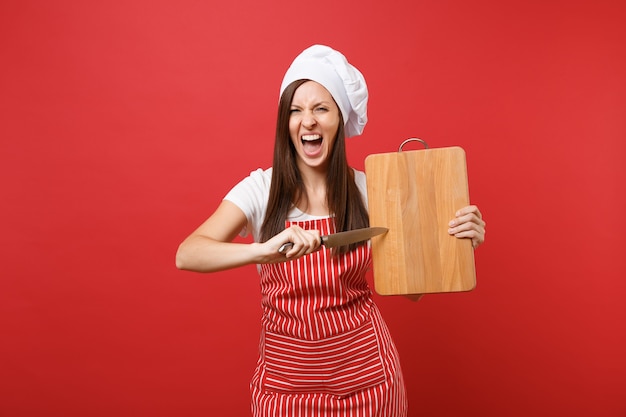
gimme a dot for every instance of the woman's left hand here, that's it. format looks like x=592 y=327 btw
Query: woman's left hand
x=469 y=224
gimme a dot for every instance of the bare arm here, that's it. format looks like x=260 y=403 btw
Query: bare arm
x=209 y=248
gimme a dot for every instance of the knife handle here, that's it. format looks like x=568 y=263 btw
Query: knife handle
x=285 y=247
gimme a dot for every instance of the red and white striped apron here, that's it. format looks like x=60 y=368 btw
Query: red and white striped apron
x=324 y=350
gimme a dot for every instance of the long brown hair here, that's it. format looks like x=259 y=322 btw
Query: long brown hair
x=342 y=194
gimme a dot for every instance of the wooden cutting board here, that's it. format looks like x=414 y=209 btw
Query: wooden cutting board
x=415 y=194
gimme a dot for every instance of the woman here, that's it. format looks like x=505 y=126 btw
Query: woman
x=324 y=349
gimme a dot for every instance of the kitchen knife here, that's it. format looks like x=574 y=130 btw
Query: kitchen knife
x=343 y=238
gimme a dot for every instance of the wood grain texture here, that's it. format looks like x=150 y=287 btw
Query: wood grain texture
x=415 y=194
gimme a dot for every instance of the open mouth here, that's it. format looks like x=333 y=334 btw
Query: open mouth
x=315 y=139
x=311 y=143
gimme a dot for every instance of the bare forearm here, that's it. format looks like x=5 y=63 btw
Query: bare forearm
x=201 y=254
x=210 y=249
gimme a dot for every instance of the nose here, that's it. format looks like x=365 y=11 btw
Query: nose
x=308 y=120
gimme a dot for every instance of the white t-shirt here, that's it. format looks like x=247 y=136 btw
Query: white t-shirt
x=252 y=193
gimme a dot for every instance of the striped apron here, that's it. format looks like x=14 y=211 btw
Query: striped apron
x=324 y=349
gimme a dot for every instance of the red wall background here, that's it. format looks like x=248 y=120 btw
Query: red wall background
x=123 y=123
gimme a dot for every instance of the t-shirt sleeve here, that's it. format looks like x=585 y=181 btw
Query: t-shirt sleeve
x=361 y=183
x=251 y=195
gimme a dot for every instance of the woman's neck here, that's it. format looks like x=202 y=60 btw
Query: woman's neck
x=313 y=201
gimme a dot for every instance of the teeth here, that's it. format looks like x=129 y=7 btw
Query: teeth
x=311 y=137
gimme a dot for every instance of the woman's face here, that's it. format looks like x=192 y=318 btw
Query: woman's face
x=313 y=124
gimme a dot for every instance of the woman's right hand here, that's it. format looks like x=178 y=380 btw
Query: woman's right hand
x=304 y=242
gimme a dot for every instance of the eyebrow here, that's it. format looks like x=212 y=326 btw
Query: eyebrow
x=319 y=103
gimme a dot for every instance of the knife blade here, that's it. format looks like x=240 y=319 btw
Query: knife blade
x=343 y=238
